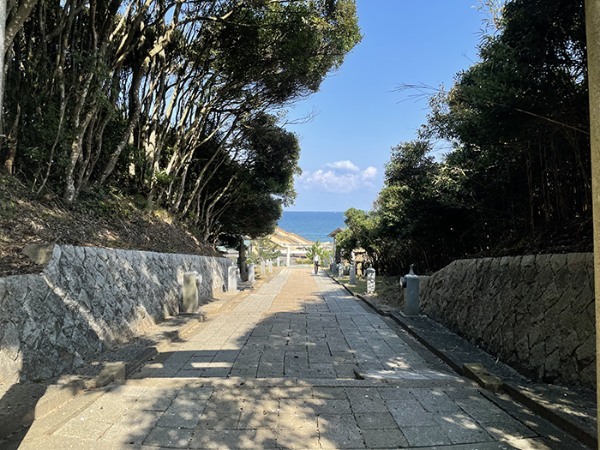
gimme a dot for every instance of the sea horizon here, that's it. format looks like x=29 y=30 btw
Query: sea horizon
x=312 y=225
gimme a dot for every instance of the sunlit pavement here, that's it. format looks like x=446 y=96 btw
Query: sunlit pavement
x=278 y=370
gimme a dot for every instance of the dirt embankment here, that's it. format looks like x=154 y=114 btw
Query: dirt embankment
x=99 y=219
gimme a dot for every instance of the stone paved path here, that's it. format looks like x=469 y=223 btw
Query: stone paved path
x=277 y=370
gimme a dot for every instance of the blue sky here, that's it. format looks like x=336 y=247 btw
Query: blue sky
x=360 y=115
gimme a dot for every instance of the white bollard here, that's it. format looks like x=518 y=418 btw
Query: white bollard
x=352 y=274
x=232 y=278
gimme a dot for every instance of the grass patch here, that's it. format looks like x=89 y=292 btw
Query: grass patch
x=388 y=293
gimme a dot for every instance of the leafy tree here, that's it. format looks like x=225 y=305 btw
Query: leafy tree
x=362 y=232
x=519 y=118
x=519 y=168
x=317 y=249
x=168 y=99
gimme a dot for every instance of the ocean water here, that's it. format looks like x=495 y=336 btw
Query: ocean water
x=312 y=225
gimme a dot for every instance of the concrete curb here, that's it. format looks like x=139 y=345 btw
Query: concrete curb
x=511 y=384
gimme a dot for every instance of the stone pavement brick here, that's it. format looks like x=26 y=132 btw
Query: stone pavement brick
x=379 y=421
x=226 y=439
x=366 y=400
x=461 y=429
x=169 y=437
x=339 y=431
x=410 y=414
x=421 y=436
x=388 y=438
x=434 y=400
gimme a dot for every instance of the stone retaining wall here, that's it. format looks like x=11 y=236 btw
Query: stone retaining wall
x=87 y=299
x=534 y=312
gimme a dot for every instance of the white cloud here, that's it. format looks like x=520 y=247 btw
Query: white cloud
x=340 y=177
x=369 y=173
x=343 y=165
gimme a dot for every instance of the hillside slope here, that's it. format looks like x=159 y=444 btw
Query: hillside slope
x=101 y=219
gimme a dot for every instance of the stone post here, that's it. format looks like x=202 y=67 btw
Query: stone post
x=411 y=296
x=190 y=291
x=232 y=278
x=278 y=261
x=251 y=273
x=370 y=280
x=287 y=262
x=352 y=274
x=262 y=268
x=592 y=26
x=270 y=266
x=340 y=269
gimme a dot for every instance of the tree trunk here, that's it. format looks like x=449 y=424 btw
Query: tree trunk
x=17 y=19
x=242 y=260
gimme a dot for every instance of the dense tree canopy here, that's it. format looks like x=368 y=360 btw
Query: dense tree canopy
x=518 y=176
x=172 y=99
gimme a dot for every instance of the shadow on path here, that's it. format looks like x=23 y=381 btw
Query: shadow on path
x=283 y=377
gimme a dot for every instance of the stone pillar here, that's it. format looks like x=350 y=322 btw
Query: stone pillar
x=191 y=280
x=370 y=280
x=287 y=262
x=592 y=26
x=232 y=278
x=352 y=274
x=278 y=261
x=262 y=268
x=340 y=270
x=270 y=266
x=411 y=296
x=251 y=273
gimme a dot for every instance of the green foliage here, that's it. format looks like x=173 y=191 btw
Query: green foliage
x=263 y=250
x=168 y=99
x=519 y=168
x=317 y=249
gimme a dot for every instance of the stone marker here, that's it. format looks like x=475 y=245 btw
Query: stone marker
x=251 y=273
x=340 y=270
x=232 y=278
x=278 y=261
x=190 y=291
x=287 y=262
x=370 y=280
x=262 y=267
x=270 y=266
x=411 y=296
x=352 y=274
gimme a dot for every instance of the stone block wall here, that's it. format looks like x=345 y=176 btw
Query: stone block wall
x=87 y=299
x=534 y=312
